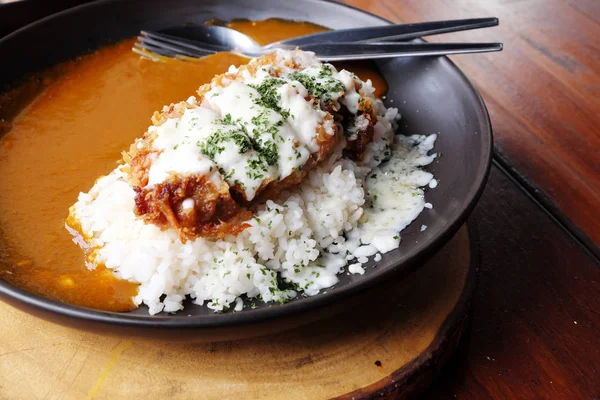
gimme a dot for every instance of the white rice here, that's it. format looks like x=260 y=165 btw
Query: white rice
x=296 y=244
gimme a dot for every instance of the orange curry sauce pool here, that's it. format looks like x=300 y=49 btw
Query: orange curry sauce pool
x=72 y=132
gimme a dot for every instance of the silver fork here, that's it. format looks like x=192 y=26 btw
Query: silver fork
x=347 y=44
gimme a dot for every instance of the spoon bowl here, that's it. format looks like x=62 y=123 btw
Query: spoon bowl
x=221 y=38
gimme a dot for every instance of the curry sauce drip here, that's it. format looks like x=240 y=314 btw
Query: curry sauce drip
x=87 y=111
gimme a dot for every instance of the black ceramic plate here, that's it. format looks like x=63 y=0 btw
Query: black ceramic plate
x=433 y=97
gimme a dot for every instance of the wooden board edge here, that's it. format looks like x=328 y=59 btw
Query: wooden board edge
x=413 y=378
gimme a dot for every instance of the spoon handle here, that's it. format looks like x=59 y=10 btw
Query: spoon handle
x=368 y=51
x=393 y=32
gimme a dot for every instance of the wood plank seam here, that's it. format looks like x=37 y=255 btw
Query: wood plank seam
x=547 y=206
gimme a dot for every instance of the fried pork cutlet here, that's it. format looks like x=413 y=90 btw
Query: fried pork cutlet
x=251 y=133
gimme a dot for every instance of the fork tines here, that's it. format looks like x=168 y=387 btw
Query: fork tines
x=150 y=44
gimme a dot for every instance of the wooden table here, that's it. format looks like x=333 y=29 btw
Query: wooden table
x=536 y=321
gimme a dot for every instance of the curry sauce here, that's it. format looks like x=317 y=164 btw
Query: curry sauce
x=74 y=131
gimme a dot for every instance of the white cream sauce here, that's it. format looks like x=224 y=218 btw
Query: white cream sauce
x=238 y=100
x=393 y=199
x=177 y=139
x=281 y=130
x=394 y=194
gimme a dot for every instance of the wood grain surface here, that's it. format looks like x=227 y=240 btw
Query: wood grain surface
x=536 y=318
x=542 y=91
x=393 y=345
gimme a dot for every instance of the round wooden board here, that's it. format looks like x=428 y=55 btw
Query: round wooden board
x=392 y=346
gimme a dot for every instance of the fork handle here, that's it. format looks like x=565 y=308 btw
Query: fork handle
x=368 y=51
